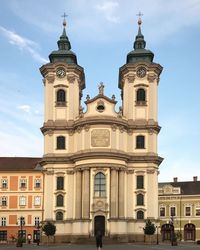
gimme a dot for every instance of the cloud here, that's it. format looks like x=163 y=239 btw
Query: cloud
x=108 y=8
x=25 y=108
x=23 y=44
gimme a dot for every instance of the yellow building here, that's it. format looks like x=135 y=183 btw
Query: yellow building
x=179 y=208
x=100 y=165
x=21 y=197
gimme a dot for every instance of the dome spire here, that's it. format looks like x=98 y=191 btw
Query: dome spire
x=139 y=53
x=64 y=52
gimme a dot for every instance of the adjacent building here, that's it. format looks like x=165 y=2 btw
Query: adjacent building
x=21 y=197
x=179 y=208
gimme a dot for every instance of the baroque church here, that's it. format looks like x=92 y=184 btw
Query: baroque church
x=100 y=166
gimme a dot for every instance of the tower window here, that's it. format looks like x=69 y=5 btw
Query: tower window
x=59 y=216
x=61 y=95
x=60 y=142
x=140 y=96
x=61 y=98
x=140 y=215
x=140 y=141
x=100 y=185
x=60 y=183
x=140 y=199
x=140 y=182
x=59 y=200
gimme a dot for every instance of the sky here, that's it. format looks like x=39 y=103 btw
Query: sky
x=101 y=33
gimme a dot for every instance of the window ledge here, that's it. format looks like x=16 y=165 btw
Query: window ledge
x=140 y=103
x=61 y=104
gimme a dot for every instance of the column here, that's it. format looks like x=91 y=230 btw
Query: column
x=114 y=193
x=86 y=193
x=78 y=205
x=121 y=193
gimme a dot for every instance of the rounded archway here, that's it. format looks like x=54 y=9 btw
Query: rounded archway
x=99 y=224
x=167 y=231
x=189 y=232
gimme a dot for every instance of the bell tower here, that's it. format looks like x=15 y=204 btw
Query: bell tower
x=64 y=81
x=138 y=81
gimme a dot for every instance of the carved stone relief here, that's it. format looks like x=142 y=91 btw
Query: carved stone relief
x=100 y=138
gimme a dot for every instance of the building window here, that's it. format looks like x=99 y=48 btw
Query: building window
x=37 y=222
x=22 y=201
x=59 y=200
x=140 y=182
x=197 y=210
x=61 y=98
x=141 y=96
x=4 y=183
x=187 y=211
x=162 y=211
x=4 y=201
x=23 y=183
x=140 y=141
x=172 y=211
x=140 y=215
x=37 y=200
x=140 y=199
x=60 y=183
x=3 y=221
x=3 y=235
x=60 y=142
x=99 y=185
x=37 y=183
x=59 y=216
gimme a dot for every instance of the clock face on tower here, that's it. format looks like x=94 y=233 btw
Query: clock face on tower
x=141 y=72
x=60 y=72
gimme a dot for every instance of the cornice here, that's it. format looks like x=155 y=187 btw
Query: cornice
x=73 y=71
x=131 y=68
x=102 y=154
x=115 y=122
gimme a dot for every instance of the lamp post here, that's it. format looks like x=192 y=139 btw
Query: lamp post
x=171 y=222
x=157 y=240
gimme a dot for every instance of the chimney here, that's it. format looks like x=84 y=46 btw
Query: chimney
x=194 y=178
x=175 y=179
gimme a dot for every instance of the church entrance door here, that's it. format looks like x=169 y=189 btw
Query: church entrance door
x=99 y=224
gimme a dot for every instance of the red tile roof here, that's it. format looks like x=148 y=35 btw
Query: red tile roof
x=18 y=163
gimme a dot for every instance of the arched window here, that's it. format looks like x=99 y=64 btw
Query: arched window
x=140 y=199
x=140 y=215
x=100 y=185
x=140 y=141
x=59 y=216
x=59 y=200
x=141 y=95
x=60 y=142
x=60 y=96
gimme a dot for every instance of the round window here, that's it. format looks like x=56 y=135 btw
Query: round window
x=100 y=107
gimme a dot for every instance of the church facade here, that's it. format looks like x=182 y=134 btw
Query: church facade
x=100 y=166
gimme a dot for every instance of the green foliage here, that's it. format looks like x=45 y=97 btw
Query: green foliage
x=149 y=228
x=49 y=229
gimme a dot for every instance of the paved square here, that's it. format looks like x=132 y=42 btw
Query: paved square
x=127 y=246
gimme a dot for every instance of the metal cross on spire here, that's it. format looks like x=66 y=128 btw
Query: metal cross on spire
x=64 y=20
x=139 y=19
